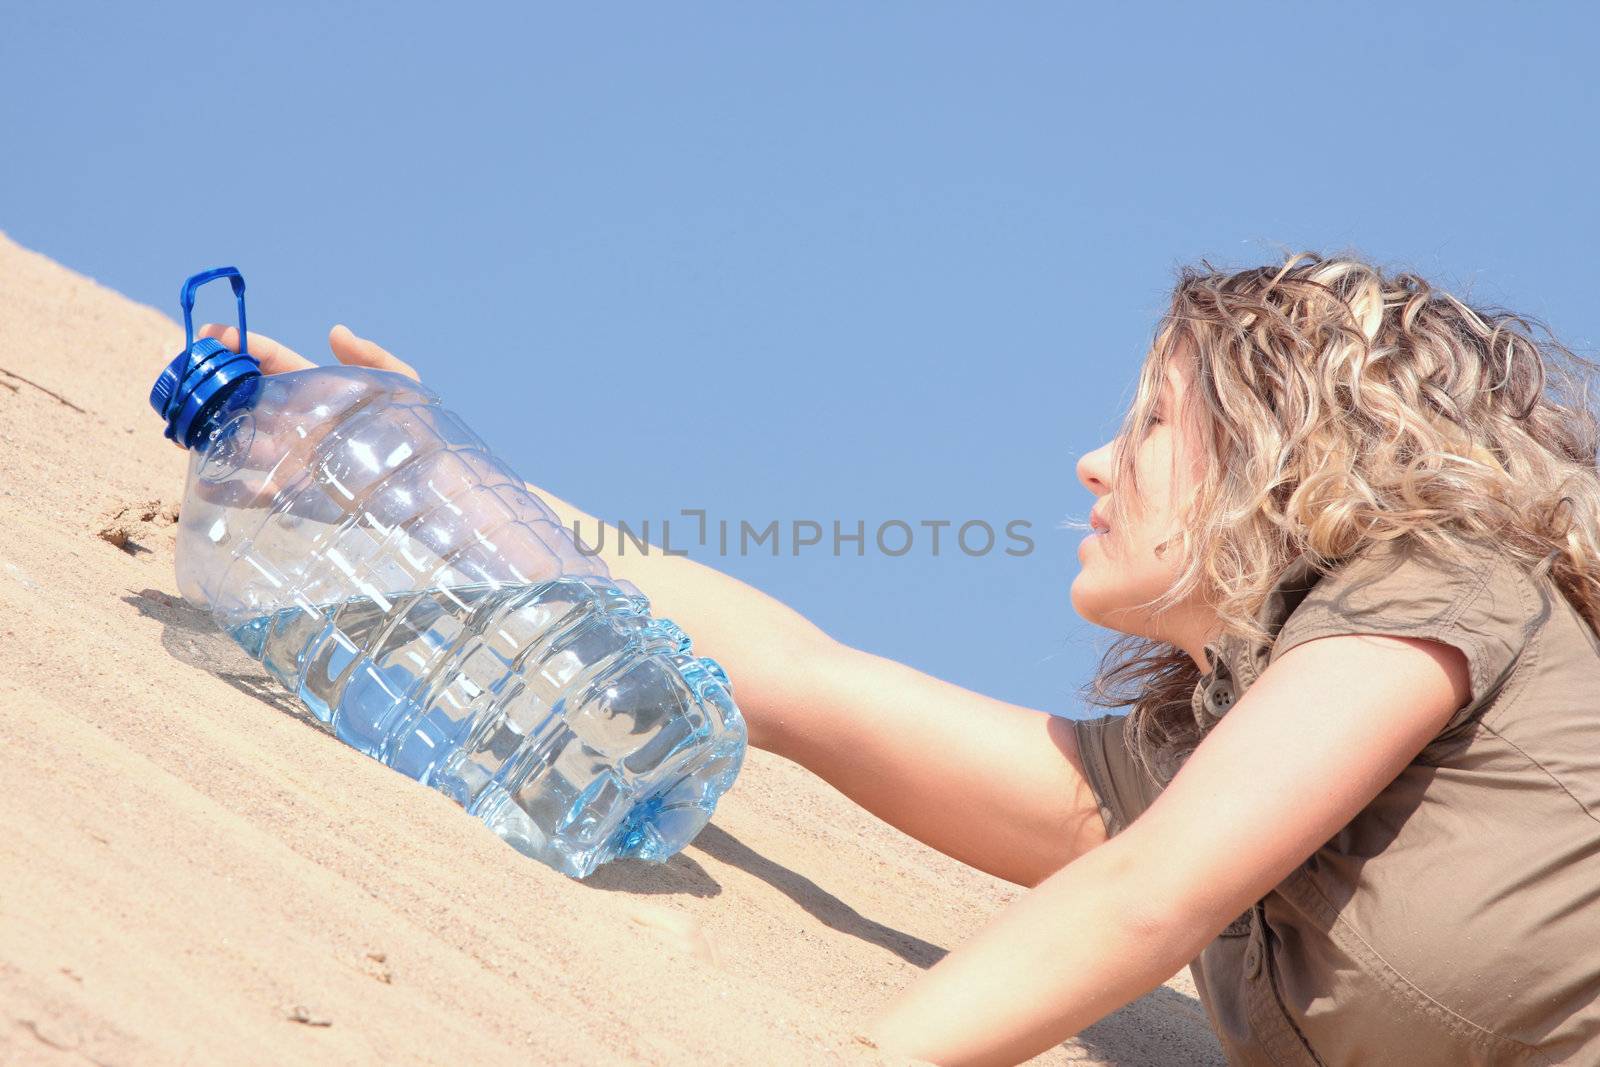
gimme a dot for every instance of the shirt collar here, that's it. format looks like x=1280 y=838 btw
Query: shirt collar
x=1231 y=666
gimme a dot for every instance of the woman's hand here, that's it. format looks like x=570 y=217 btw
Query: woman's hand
x=277 y=358
x=347 y=347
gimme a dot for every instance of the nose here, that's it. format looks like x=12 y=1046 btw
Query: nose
x=1094 y=470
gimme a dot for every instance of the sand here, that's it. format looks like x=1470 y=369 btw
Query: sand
x=193 y=871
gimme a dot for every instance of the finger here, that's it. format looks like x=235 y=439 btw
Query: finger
x=351 y=348
x=274 y=357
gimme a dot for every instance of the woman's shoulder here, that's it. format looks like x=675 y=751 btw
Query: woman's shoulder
x=1457 y=850
x=1471 y=595
x=1410 y=582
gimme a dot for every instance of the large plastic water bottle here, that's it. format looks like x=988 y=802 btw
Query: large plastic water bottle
x=365 y=545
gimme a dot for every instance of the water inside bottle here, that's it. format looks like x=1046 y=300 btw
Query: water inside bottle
x=573 y=724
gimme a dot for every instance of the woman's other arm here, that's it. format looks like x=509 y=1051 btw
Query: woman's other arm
x=1323 y=730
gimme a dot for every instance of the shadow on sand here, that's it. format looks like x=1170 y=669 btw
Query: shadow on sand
x=189 y=636
x=634 y=876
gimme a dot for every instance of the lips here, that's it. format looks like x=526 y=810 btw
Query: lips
x=1098 y=523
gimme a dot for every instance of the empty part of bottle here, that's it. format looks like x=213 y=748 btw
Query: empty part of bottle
x=361 y=542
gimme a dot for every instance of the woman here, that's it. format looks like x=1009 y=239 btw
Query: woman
x=1349 y=532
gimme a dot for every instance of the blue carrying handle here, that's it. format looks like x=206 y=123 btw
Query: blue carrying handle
x=187 y=299
x=206 y=379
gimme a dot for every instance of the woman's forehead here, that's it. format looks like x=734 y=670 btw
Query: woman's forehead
x=1178 y=366
x=1175 y=379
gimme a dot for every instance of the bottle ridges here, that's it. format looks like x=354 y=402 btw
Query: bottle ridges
x=510 y=673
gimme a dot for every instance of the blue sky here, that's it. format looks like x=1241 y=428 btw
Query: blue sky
x=789 y=262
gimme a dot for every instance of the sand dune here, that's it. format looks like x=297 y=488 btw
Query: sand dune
x=192 y=871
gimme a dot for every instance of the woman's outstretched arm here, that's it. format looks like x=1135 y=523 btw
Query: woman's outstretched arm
x=995 y=785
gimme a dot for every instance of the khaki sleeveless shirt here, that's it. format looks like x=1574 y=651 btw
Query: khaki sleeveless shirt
x=1456 y=919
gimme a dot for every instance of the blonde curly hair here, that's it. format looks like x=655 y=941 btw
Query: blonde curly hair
x=1338 y=406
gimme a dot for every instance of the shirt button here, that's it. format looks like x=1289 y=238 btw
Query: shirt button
x=1252 y=960
x=1221 y=695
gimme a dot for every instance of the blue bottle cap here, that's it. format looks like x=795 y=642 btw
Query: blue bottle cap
x=207 y=377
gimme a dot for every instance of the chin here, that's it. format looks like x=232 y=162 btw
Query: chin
x=1088 y=602
x=1107 y=608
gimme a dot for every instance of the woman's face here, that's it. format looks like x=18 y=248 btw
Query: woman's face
x=1122 y=566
